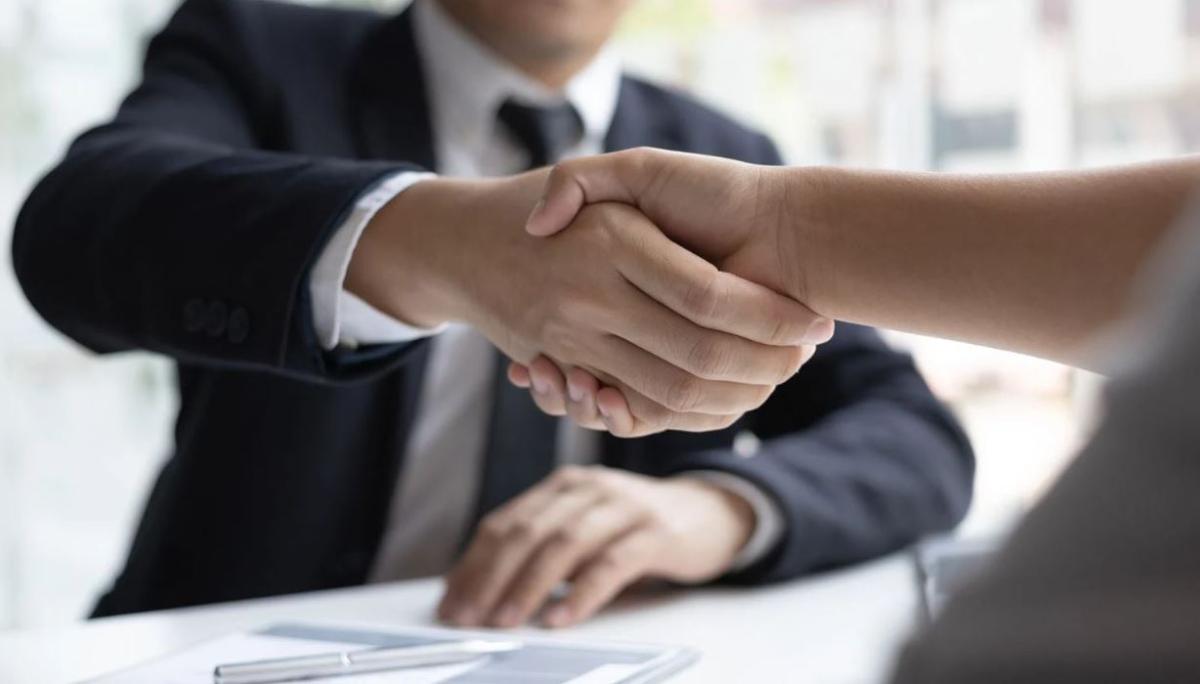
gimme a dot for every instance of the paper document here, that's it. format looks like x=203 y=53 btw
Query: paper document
x=542 y=660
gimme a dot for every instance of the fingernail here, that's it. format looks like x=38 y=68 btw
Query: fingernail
x=540 y=386
x=575 y=391
x=557 y=616
x=530 y=223
x=818 y=331
x=606 y=418
x=508 y=616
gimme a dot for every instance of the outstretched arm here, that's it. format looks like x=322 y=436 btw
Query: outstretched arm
x=180 y=228
x=1034 y=263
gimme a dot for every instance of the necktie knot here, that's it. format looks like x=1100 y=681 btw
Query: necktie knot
x=546 y=133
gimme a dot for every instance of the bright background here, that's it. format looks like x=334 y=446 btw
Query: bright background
x=961 y=85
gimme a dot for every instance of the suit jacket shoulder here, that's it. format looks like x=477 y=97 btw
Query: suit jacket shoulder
x=274 y=38
x=683 y=123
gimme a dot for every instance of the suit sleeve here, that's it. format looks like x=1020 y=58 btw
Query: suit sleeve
x=858 y=454
x=174 y=228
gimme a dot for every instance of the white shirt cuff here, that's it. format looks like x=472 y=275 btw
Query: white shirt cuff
x=769 y=524
x=339 y=317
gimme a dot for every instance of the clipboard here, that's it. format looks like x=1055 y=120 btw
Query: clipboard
x=546 y=660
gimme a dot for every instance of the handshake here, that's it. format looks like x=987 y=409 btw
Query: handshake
x=636 y=292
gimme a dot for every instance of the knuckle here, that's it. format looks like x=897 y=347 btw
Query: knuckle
x=710 y=357
x=636 y=159
x=702 y=299
x=521 y=531
x=548 y=405
x=564 y=540
x=558 y=308
x=759 y=396
x=794 y=360
x=492 y=528
x=607 y=487
x=643 y=162
x=726 y=422
x=609 y=563
x=570 y=475
x=787 y=331
x=651 y=412
x=581 y=416
x=684 y=394
x=615 y=563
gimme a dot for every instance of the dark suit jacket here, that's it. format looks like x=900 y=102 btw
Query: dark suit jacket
x=188 y=224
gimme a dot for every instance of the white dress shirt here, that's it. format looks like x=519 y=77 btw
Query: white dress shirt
x=438 y=489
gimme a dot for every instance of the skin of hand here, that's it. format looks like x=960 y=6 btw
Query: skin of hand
x=612 y=295
x=735 y=214
x=1037 y=263
x=600 y=530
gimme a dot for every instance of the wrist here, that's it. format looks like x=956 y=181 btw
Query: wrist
x=734 y=511
x=405 y=263
x=811 y=210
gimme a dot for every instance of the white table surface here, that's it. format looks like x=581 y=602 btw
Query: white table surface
x=832 y=628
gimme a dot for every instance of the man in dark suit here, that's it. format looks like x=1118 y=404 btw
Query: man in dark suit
x=258 y=210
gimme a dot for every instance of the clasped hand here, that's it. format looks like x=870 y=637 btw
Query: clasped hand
x=685 y=343
x=737 y=216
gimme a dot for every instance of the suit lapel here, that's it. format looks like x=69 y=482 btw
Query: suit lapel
x=638 y=122
x=388 y=98
x=389 y=111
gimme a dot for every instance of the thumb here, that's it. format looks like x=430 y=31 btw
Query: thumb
x=614 y=177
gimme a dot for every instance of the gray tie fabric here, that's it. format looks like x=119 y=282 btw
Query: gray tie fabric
x=522 y=439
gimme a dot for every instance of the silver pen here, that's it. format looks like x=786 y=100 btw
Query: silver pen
x=358 y=662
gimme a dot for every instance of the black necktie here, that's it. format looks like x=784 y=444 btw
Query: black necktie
x=522 y=439
x=545 y=132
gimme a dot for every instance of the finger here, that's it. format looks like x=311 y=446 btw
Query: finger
x=580 y=398
x=606 y=408
x=603 y=577
x=703 y=352
x=710 y=298
x=614 y=408
x=518 y=375
x=617 y=416
x=807 y=353
x=672 y=387
x=615 y=177
x=582 y=387
x=481 y=583
x=643 y=417
x=549 y=386
x=512 y=524
x=560 y=556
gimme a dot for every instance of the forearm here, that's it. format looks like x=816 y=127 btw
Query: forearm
x=432 y=254
x=400 y=263
x=152 y=240
x=1035 y=263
